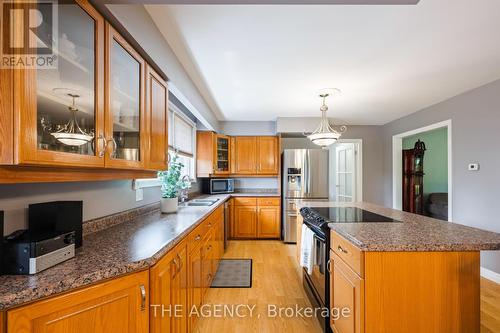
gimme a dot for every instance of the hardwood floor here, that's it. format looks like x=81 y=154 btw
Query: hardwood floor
x=277 y=280
x=490 y=307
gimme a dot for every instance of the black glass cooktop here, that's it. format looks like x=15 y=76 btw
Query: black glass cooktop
x=350 y=215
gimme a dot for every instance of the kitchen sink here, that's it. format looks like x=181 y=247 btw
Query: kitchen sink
x=201 y=202
x=191 y=203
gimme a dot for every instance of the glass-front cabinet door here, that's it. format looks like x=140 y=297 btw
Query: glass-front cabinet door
x=61 y=109
x=125 y=112
x=221 y=154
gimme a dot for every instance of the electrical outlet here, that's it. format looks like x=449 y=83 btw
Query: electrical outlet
x=139 y=194
x=474 y=167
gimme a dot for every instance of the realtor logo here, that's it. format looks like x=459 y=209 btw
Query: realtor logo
x=29 y=34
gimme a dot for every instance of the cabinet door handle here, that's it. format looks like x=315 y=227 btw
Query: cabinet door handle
x=143 y=297
x=197 y=238
x=179 y=262
x=176 y=267
x=210 y=225
x=115 y=146
x=341 y=249
x=329 y=266
x=102 y=151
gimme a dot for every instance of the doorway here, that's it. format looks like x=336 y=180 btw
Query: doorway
x=346 y=176
x=400 y=142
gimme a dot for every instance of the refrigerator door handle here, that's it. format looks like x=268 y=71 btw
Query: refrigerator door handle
x=307 y=172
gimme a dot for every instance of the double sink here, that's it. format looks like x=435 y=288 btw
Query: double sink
x=201 y=202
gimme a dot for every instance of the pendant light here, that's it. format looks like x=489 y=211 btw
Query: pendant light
x=70 y=134
x=325 y=134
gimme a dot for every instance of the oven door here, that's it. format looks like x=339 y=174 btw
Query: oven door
x=317 y=277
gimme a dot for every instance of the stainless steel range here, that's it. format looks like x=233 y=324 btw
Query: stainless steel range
x=305 y=176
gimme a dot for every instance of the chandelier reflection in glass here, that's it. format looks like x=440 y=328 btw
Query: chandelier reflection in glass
x=69 y=134
x=325 y=134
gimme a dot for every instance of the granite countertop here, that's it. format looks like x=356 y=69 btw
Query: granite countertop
x=130 y=246
x=415 y=233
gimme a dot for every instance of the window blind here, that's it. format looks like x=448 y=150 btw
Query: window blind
x=182 y=136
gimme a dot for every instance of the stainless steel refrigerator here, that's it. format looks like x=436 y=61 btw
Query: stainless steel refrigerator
x=305 y=176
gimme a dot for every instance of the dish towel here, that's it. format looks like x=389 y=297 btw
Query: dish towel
x=307 y=249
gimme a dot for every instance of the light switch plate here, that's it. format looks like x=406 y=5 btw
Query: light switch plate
x=139 y=194
x=474 y=167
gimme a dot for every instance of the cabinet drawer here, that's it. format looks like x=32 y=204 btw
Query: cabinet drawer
x=196 y=236
x=209 y=223
x=350 y=254
x=245 y=201
x=268 y=201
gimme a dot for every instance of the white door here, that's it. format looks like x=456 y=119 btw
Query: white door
x=345 y=172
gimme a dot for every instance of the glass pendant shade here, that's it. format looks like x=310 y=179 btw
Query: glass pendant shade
x=72 y=139
x=325 y=135
x=70 y=134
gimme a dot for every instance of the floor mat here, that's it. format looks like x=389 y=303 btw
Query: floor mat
x=233 y=273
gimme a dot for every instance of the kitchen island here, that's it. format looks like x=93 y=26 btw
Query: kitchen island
x=414 y=275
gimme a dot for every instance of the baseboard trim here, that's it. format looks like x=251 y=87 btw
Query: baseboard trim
x=490 y=275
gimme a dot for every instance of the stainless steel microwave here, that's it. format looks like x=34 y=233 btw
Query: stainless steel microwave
x=217 y=186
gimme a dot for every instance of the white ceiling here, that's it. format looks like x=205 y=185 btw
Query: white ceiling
x=256 y=62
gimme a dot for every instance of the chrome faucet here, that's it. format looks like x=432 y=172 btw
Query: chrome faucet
x=184 y=192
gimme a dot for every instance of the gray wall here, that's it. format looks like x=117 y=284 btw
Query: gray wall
x=475 y=119
x=99 y=198
x=248 y=127
x=372 y=152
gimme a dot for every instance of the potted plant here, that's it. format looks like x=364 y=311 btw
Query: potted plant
x=171 y=184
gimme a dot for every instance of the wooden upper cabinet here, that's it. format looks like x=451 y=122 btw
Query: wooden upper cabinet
x=119 y=305
x=267 y=155
x=126 y=133
x=245 y=155
x=205 y=164
x=157 y=110
x=58 y=114
x=88 y=113
x=213 y=154
x=222 y=156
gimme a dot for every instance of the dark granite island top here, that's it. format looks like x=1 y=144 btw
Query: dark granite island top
x=127 y=246
x=415 y=233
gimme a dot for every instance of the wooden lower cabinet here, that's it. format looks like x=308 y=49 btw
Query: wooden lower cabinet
x=245 y=222
x=195 y=261
x=256 y=218
x=169 y=292
x=209 y=256
x=400 y=292
x=119 y=305
x=346 y=292
x=268 y=222
x=158 y=300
